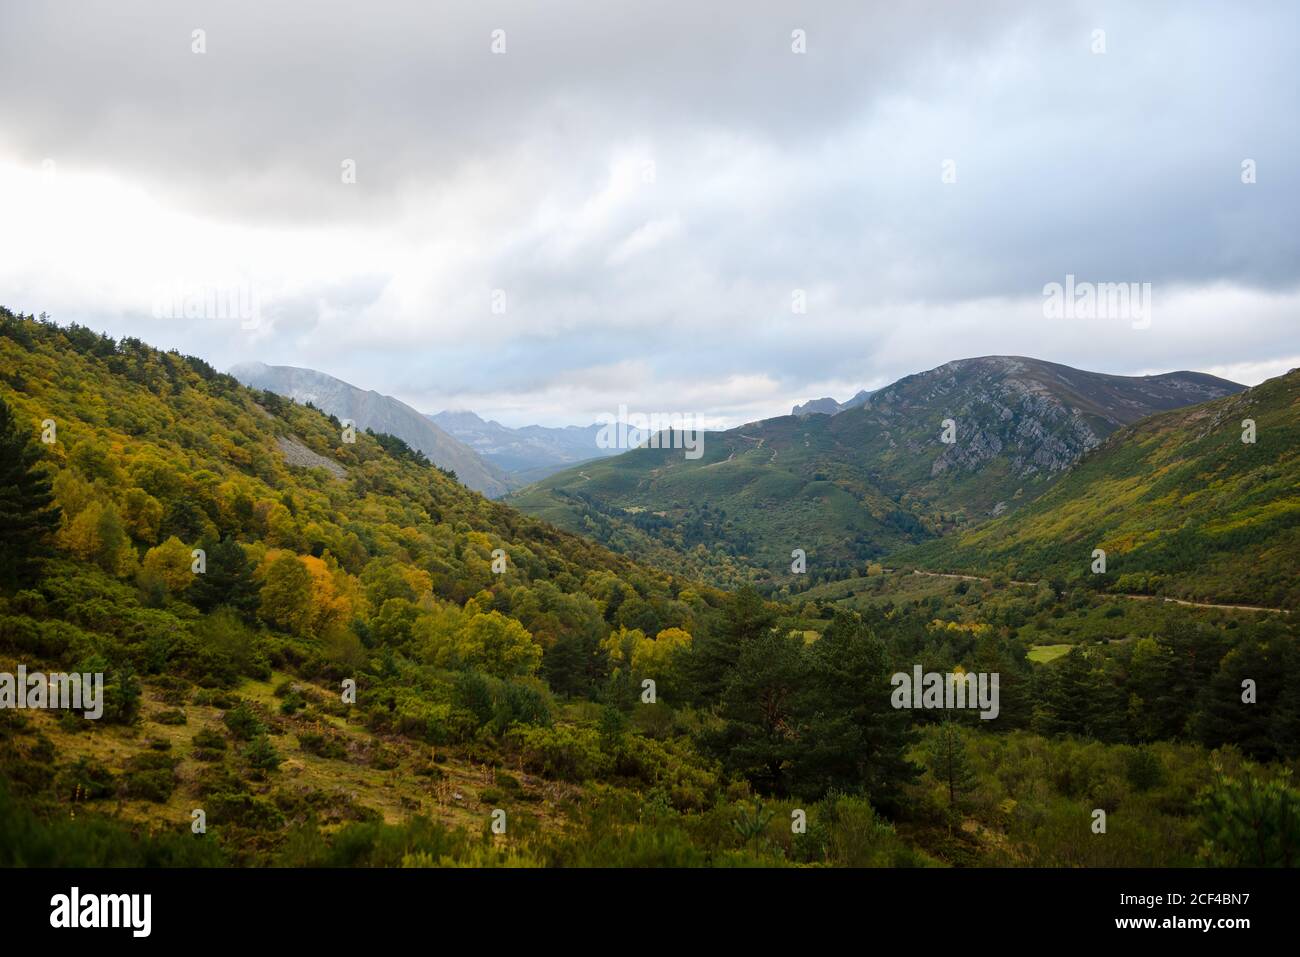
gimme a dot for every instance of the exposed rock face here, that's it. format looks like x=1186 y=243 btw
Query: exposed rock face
x=295 y=453
x=826 y=406
x=1039 y=416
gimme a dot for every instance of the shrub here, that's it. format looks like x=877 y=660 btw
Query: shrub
x=243 y=810
x=209 y=738
x=324 y=746
x=86 y=780
x=566 y=752
x=243 y=723
x=261 y=755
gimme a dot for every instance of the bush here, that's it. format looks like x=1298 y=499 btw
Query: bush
x=324 y=746
x=566 y=752
x=176 y=716
x=86 y=780
x=150 y=776
x=209 y=738
x=243 y=810
x=261 y=755
x=243 y=723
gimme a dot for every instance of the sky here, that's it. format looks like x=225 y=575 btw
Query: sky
x=545 y=211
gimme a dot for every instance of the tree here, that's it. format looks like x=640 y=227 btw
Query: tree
x=287 y=595
x=227 y=579
x=497 y=645
x=28 y=516
x=1250 y=822
x=945 y=755
x=170 y=563
x=856 y=741
x=712 y=656
x=96 y=535
x=262 y=756
x=759 y=737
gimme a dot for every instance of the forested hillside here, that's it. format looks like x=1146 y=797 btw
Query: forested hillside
x=339 y=656
x=1179 y=502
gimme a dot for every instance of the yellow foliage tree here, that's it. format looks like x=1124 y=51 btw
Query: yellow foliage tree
x=171 y=563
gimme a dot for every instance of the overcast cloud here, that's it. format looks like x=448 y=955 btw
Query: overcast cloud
x=648 y=184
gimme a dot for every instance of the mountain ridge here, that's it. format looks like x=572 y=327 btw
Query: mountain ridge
x=370 y=409
x=854 y=486
x=1180 y=504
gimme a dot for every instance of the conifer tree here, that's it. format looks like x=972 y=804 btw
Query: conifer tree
x=28 y=515
x=948 y=762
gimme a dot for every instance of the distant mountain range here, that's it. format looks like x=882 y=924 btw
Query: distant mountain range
x=865 y=481
x=381 y=413
x=528 y=454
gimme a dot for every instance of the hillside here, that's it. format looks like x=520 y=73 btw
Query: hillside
x=381 y=413
x=520 y=690
x=1179 y=503
x=526 y=454
x=857 y=485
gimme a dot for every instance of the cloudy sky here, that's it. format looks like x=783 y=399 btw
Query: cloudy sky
x=659 y=204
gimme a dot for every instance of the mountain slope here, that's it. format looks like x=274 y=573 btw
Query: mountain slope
x=324 y=561
x=527 y=454
x=382 y=413
x=856 y=485
x=1179 y=503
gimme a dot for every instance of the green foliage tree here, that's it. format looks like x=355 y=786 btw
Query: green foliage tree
x=854 y=740
x=946 y=756
x=759 y=737
x=28 y=517
x=746 y=618
x=227 y=580
x=1250 y=821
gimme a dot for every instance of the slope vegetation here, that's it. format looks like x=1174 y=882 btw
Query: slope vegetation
x=1182 y=506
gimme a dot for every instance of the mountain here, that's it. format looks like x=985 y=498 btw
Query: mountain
x=527 y=454
x=858 y=484
x=381 y=413
x=1180 y=504
x=829 y=406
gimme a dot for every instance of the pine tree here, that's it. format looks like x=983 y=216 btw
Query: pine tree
x=759 y=734
x=28 y=515
x=227 y=579
x=854 y=739
x=948 y=762
x=745 y=619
